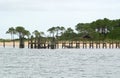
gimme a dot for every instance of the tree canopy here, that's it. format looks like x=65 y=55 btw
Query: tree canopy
x=101 y=29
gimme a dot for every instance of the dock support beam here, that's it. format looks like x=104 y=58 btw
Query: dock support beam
x=21 y=44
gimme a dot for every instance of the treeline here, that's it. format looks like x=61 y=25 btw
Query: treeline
x=101 y=29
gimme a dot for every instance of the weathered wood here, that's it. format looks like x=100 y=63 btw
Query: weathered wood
x=37 y=43
x=111 y=45
x=117 y=45
x=98 y=45
x=70 y=45
x=91 y=44
x=63 y=45
x=84 y=44
x=21 y=44
x=104 y=45
x=31 y=44
x=53 y=43
x=4 y=43
x=13 y=43
x=77 y=45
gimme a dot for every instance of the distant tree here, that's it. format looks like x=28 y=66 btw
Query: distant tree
x=83 y=28
x=57 y=29
x=114 y=34
x=20 y=31
x=52 y=31
x=37 y=33
x=69 y=30
x=62 y=29
x=42 y=33
x=69 y=34
x=27 y=33
x=102 y=26
x=11 y=31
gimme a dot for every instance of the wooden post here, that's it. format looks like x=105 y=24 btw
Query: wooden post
x=63 y=44
x=53 y=43
x=98 y=44
x=39 y=42
x=57 y=45
x=117 y=44
x=31 y=42
x=48 y=45
x=84 y=44
x=77 y=44
x=70 y=45
x=91 y=44
x=104 y=45
x=21 y=44
x=44 y=45
x=35 y=46
x=111 y=45
x=13 y=43
x=4 y=43
x=28 y=42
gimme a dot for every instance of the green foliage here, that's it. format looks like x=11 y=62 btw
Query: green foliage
x=38 y=33
x=27 y=33
x=101 y=29
x=20 y=31
x=69 y=34
x=11 y=31
x=55 y=31
x=114 y=34
x=83 y=28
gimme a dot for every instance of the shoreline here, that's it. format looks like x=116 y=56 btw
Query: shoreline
x=67 y=45
x=11 y=43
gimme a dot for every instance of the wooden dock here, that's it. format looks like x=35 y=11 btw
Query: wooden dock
x=37 y=43
x=76 y=44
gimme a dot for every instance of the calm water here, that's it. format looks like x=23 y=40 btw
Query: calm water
x=59 y=63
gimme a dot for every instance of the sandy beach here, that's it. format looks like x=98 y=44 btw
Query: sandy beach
x=11 y=44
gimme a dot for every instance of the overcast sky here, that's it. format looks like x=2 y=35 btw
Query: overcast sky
x=43 y=14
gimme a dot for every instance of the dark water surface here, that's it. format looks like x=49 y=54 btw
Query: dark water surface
x=59 y=63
